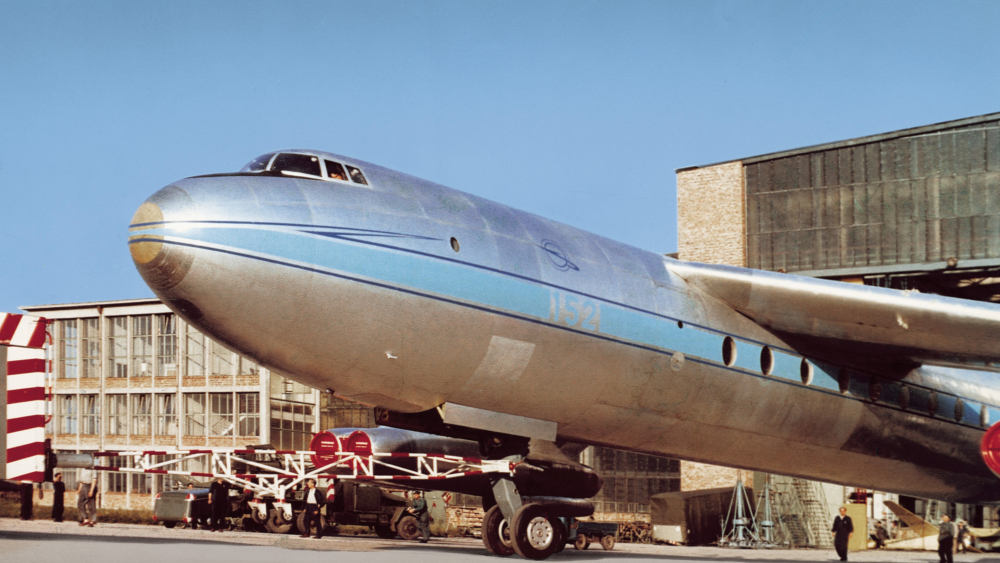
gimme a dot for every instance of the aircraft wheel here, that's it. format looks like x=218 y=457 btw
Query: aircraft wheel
x=276 y=523
x=608 y=542
x=533 y=532
x=385 y=532
x=561 y=535
x=496 y=533
x=169 y=524
x=407 y=528
x=581 y=542
x=300 y=522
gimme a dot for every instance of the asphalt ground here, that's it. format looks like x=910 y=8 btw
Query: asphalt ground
x=39 y=541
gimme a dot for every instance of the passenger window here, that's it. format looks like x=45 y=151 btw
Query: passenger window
x=357 y=176
x=258 y=164
x=335 y=170
x=297 y=164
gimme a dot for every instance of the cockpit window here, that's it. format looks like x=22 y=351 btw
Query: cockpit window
x=357 y=176
x=297 y=164
x=335 y=170
x=258 y=164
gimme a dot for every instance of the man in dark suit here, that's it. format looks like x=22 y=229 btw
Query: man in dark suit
x=843 y=529
x=218 y=501
x=58 y=491
x=314 y=502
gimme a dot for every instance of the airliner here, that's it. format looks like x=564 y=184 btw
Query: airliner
x=461 y=316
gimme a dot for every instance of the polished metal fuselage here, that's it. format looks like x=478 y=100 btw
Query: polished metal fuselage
x=407 y=295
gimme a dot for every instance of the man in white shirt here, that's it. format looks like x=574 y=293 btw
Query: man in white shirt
x=314 y=502
x=86 y=497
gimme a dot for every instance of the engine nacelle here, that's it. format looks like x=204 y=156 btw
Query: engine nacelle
x=990 y=449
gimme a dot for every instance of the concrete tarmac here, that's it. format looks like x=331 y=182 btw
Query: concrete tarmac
x=47 y=542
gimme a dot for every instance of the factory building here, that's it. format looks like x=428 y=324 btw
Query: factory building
x=131 y=375
x=912 y=209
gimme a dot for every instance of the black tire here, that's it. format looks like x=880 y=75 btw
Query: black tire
x=533 y=532
x=276 y=523
x=561 y=535
x=385 y=532
x=496 y=533
x=582 y=542
x=169 y=524
x=407 y=528
x=608 y=542
x=300 y=523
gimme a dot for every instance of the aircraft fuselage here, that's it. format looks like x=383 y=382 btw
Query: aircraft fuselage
x=407 y=294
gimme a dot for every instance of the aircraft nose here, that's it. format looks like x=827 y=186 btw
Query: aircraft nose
x=161 y=264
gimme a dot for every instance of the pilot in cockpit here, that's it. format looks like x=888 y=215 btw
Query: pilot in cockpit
x=335 y=170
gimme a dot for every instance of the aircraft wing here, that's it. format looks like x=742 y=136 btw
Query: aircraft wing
x=843 y=321
x=916 y=524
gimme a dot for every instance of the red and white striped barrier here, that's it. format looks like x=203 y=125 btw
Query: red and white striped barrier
x=22 y=330
x=24 y=338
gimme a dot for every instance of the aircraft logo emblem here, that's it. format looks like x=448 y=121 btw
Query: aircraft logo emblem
x=557 y=256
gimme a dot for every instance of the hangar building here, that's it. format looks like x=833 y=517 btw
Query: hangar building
x=912 y=209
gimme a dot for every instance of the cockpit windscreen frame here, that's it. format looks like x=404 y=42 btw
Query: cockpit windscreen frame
x=329 y=170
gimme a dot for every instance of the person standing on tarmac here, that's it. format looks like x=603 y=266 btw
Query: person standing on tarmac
x=58 y=491
x=314 y=503
x=218 y=501
x=86 y=501
x=843 y=529
x=419 y=510
x=946 y=539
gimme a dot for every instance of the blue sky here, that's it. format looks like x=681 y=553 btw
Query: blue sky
x=578 y=111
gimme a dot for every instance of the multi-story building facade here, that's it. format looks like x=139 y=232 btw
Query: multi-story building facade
x=131 y=375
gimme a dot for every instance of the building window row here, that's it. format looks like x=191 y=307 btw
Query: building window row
x=141 y=346
x=143 y=414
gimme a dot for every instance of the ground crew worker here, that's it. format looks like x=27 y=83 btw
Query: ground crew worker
x=314 y=503
x=843 y=530
x=419 y=510
x=946 y=539
x=218 y=500
x=58 y=491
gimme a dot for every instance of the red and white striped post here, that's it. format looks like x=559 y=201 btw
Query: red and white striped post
x=22 y=397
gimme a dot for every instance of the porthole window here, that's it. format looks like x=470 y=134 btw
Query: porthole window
x=729 y=351
x=874 y=389
x=959 y=410
x=454 y=244
x=932 y=404
x=766 y=360
x=904 y=397
x=680 y=324
x=844 y=380
x=806 y=372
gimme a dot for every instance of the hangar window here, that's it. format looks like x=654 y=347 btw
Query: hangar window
x=357 y=176
x=292 y=164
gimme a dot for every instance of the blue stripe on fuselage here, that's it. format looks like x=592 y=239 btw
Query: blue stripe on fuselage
x=487 y=287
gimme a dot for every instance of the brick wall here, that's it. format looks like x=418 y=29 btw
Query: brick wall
x=711 y=228
x=711 y=215
x=700 y=476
